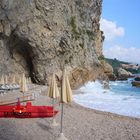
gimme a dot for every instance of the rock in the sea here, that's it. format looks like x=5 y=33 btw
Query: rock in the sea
x=135 y=83
x=137 y=78
x=106 y=85
x=40 y=37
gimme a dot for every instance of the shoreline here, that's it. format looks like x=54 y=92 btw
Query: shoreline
x=107 y=113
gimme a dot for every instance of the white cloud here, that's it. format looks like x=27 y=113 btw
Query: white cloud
x=130 y=54
x=111 y=30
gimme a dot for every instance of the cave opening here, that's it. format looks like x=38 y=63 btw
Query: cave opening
x=25 y=51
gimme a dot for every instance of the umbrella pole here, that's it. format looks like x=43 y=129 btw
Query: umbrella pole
x=23 y=99
x=54 y=122
x=53 y=109
x=62 y=137
x=62 y=110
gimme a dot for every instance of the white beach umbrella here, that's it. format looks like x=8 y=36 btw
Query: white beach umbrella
x=29 y=80
x=66 y=97
x=6 y=79
x=23 y=84
x=53 y=92
x=2 y=80
x=19 y=79
x=13 y=79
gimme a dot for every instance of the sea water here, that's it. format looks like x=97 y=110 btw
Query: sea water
x=122 y=98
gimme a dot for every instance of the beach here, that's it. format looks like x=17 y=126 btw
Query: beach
x=80 y=123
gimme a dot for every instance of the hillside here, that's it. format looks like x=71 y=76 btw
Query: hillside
x=133 y=68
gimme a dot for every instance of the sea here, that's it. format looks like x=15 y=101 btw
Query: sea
x=121 y=98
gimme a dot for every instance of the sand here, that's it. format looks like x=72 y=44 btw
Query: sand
x=80 y=123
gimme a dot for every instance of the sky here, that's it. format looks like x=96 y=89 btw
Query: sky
x=120 y=21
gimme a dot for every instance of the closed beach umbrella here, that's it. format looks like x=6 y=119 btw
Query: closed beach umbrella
x=6 y=79
x=29 y=80
x=23 y=84
x=66 y=97
x=19 y=80
x=53 y=92
x=13 y=79
x=2 y=80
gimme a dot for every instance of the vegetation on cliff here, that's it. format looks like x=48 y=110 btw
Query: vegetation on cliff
x=115 y=63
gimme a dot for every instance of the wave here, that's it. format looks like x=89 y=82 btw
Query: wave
x=96 y=97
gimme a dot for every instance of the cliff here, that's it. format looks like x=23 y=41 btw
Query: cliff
x=40 y=37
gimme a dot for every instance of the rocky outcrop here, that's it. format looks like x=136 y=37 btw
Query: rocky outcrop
x=108 y=70
x=40 y=37
x=122 y=74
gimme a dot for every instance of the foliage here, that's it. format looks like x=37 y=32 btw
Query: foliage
x=90 y=34
x=101 y=57
x=75 y=33
x=134 y=71
x=116 y=63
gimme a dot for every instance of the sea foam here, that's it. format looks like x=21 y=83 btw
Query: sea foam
x=121 y=98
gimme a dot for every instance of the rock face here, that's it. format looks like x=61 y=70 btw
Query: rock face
x=40 y=37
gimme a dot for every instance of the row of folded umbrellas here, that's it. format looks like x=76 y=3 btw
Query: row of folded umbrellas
x=20 y=82
x=66 y=92
x=13 y=82
x=12 y=79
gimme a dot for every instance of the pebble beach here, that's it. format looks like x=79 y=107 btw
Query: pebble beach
x=80 y=123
